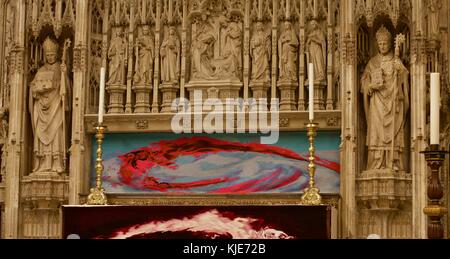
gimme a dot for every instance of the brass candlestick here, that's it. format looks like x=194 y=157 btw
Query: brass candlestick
x=311 y=195
x=434 y=210
x=97 y=194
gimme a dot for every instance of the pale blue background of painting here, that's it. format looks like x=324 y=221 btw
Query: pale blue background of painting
x=327 y=143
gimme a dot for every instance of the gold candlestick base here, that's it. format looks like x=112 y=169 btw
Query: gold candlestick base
x=97 y=197
x=311 y=195
x=97 y=194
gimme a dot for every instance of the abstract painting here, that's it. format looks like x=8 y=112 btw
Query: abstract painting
x=198 y=222
x=216 y=164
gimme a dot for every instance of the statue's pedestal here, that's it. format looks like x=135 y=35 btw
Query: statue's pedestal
x=169 y=94
x=384 y=189
x=116 y=93
x=319 y=95
x=287 y=94
x=383 y=198
x=226 y=89
x=260 y=89
x=42 y=195
x=142 y=98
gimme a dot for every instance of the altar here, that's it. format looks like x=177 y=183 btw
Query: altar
x=197 y=222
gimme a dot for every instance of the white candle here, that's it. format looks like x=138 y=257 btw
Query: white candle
x=311 y=91
x=435 y=101
x=101 y=98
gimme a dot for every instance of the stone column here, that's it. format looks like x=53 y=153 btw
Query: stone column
x=302 y=105
x=419 y=139
x=77 y=149
x=16 y=166
x=246 y=51
x=129 y=73
x=274 y=72
x=4 y=77
x=349 y=94
x=330 y=61
x=155 y=103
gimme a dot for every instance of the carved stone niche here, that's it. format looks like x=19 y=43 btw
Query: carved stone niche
x=216 y=49
x=42 y=196
x=260 y=53
x=143 y=74
x=288 y=66
x=384 y=186
x=116 y=79
x=170 y=53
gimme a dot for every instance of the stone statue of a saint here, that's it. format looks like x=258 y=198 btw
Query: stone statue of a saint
x=144 y=50
x=385 y=88
x=260 y=52
x=232 y=50
x=170 y=57
x=317 y=45
x=48 y=103
x=288 y=53
x=203 y=52
x=434 y=8
x=117 y=57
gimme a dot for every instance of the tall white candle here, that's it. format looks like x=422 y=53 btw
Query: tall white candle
x=101 y=98
x=435 y=101
x=311 y=91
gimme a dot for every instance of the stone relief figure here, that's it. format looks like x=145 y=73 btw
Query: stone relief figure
x=288 y=53
x=232 y=51
x=203 y=52
x=260 y=52
x=47 y=112
x=4 y=112
x=170 y=57
x=434 y=7
x=385 y=89
x=117 y=58
x=317 y=45
x=145 y=50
